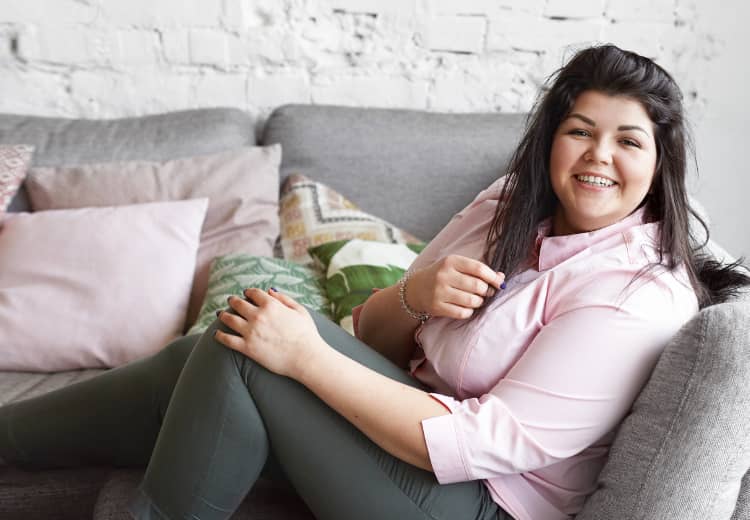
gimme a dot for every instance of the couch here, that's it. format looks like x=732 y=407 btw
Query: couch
x=683 y=451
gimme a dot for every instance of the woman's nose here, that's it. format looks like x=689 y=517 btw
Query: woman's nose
x=599 y=151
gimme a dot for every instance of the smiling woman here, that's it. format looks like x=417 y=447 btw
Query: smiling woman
x=602 y=162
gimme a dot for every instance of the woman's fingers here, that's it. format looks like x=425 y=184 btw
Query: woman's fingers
x=230 y=340
x=258 y=297
x=233 y=321
x=286 y=300
x=471 y=285
x=457 y=312
x=480 y=271
x=462 y=298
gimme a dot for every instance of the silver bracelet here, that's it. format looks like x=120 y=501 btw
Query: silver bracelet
x=421 y=317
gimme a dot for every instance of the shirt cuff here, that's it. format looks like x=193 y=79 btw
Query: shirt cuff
x=443 y=445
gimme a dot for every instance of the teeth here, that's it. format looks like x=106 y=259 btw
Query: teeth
x=596 y=181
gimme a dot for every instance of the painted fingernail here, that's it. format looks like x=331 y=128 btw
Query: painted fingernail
x=274 y=289
x=503 y=286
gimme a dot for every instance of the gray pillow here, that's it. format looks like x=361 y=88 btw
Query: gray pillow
x=742 y=511
x=683 y=450
x=71 y=142
x=415 y=169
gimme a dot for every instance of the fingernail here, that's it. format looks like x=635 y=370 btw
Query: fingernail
x=274 y=289
x=503 y=286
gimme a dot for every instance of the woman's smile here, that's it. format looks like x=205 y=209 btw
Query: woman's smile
x=591 y=180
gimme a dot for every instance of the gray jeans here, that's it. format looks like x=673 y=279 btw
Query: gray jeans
x=206 y=420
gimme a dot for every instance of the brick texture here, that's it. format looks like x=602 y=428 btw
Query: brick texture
x=95 y=58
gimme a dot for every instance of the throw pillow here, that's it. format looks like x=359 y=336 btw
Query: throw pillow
x=14 y=162
x=95 y=287
x=241 y=185
x=355 y=267
x=232 y=274
x=683 y=449
x=312 y=213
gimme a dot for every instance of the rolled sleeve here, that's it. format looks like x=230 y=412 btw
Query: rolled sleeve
x=444 y=449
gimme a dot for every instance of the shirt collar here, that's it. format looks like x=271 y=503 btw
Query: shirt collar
x=553 y=250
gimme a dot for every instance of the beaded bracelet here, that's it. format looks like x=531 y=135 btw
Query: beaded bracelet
x=421 y=317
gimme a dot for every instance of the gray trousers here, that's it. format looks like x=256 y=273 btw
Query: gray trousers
x=206 y=419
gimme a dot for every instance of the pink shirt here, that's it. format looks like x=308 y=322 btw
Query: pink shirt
x=538 y=385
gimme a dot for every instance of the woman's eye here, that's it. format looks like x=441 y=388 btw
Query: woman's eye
x=631 y=142
x=580 y=132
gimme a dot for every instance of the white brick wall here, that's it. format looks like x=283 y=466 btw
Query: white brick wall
x=107 y=58
x=464 y=34
x=114 y=58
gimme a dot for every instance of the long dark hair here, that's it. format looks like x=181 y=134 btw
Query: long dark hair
x=528 y=197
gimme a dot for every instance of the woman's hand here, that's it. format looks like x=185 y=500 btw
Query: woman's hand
x=452 y=287
x=275 y=331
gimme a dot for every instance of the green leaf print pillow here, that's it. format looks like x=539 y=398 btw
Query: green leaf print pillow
x=232 y=274
x=353 y=268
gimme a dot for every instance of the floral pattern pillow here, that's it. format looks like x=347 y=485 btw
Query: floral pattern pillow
x=353 y=268
x=14 y=163
x=232 y=274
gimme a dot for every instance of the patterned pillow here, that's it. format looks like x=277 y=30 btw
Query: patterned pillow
x=231 y=274
x=311 y=214
x=14 y=163
x=355 y=267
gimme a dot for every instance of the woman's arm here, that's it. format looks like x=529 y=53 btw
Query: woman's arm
x=451 y=287
x=386 y=327
x=388 y=412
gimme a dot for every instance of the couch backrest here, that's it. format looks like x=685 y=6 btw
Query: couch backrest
x=68 y=142
x=414 y=168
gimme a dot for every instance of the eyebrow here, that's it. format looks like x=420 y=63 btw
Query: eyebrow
x=620 y=128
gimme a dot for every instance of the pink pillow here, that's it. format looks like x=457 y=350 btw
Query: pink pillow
x=95 y=287
x=14 y=162
x=242 y=186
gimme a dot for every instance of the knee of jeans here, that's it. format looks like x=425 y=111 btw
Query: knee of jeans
x=175 y=353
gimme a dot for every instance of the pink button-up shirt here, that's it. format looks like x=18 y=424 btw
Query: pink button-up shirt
x=539 y=384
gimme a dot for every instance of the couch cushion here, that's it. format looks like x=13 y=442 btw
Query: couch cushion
x=414 y=168
x=742 y=509
x=355 y=268
x=60 y=494
x=683 y=450
x=17 y=386
x=87 y=299
x=268 y=500
x=14 y=164
x=231 y=274
x=242 y=186
x=61 y=141
x=311 y=213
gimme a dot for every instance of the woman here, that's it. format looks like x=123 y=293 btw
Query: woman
x=528 y=328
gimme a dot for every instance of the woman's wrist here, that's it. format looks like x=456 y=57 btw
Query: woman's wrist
x=415 y=314
x=313 y=360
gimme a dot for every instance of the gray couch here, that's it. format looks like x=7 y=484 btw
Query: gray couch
x=681 y=453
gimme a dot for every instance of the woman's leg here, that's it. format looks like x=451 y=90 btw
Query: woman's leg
x=216 y=435
x=112 y=418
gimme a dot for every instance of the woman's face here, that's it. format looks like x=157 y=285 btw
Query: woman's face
x=602 y=162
